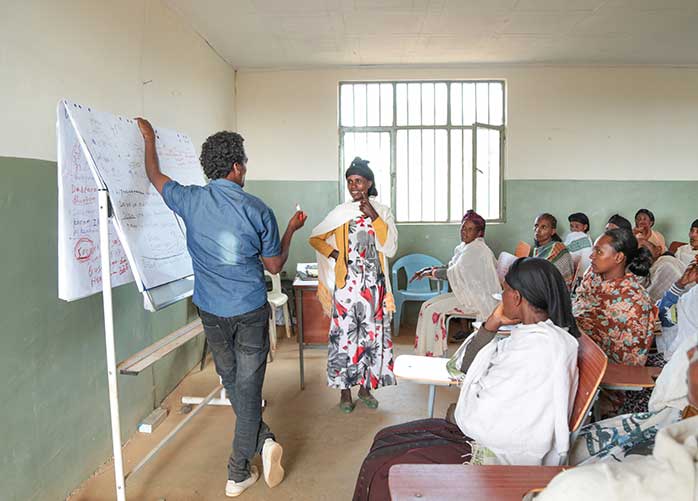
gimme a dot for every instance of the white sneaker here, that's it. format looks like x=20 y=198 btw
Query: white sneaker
x=271 y=462
x=234 y=489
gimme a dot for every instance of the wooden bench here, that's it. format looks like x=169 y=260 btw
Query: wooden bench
x=138 y=362
x=451 y=482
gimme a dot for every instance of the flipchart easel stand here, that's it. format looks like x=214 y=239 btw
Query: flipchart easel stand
x=120 y=477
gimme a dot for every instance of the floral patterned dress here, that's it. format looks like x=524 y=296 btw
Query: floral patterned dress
x=360 y=348
x=618 y=315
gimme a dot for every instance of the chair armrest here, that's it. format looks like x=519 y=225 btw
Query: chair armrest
x=627 y=377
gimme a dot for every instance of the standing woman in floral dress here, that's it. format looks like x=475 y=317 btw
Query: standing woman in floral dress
x=352 y=245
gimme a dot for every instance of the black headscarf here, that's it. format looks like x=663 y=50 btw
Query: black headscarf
x=542 y=285
x=359 y=167
x=579 y=217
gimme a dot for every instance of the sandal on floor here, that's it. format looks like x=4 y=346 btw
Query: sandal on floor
x=346 y=407
x=369 y=400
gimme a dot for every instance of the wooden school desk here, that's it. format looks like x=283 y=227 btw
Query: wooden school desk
x=451 y=482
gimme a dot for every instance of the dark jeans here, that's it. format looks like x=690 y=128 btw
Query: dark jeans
x=240 y=346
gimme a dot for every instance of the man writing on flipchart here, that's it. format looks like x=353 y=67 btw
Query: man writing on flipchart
x=231 y=235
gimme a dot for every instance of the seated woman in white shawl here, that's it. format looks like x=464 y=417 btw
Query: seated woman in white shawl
x=689 y=253
x=352 y=244
x=577 y=240
x=516 y=395
x=473 y=279
x=649 y=456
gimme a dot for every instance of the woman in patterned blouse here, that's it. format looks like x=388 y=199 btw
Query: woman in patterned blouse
x=611 y=306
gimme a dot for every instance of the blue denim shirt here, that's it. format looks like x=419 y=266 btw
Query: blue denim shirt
x=227 y=232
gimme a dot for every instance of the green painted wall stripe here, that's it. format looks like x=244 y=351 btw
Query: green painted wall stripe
x=673 y=203
x=54 y=428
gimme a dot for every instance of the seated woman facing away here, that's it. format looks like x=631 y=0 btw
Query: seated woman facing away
x=473 y=278
x=687 y=253
x=644 y=221
x=549 y=246
x=516 y=393
x=577 y=240
x=611 y=305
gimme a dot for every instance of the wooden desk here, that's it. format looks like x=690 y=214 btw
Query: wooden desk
x=313 y=325
x=447 y=482
x=629 y=378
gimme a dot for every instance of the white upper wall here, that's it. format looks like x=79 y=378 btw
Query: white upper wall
x=563 y=122
x=131 y=57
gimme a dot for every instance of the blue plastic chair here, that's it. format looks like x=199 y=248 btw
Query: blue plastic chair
x=419 y=290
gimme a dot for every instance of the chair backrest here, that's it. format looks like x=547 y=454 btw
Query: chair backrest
x=675 y=245
x=522 y=249
x=578 y=271
x=275 y=281
x=413 y=263
x=591 y=363
x=503 y=264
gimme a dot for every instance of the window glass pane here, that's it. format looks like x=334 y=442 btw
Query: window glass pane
x=456 y=184
x=441 y=175
x=386 y=105
x=441 y=104
x=401 y=177
x=488 y=173
x=482 y=95
x=401 y=100
x=414 y=104
x=359 y=105
x=372 y=105
x=467 y=170
x=468 y=103
x=346 y=94
x=415 y=174
x=496 y=103
x=428 y=104
x=436 y=176
x=456 y=104
x=428 y=180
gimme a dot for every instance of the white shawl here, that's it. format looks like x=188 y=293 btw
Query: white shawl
x=671 y=472
x=664 y=272
x=671 y=389
x=336 y=218
x=517 y=396
x=686 y=254
x=473 y=277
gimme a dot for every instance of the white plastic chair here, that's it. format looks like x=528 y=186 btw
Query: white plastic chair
x=277 y=298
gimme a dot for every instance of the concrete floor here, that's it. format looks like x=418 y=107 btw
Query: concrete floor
x=323 y=448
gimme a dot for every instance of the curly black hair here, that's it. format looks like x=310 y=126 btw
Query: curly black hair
x=220 y=151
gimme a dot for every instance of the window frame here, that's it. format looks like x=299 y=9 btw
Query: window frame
x=448 y=127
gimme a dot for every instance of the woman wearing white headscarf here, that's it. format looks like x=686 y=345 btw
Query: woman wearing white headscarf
x=352 y=244
x=473 y=279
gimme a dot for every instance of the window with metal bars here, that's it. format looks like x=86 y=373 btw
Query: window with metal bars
x=436 y=148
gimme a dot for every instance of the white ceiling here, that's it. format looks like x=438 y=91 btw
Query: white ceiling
x=318 y=33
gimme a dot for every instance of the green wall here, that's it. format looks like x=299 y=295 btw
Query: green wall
x=54 y=426
x=673 y=203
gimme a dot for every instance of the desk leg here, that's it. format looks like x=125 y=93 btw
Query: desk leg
x=299 y=319
x=432 y=397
